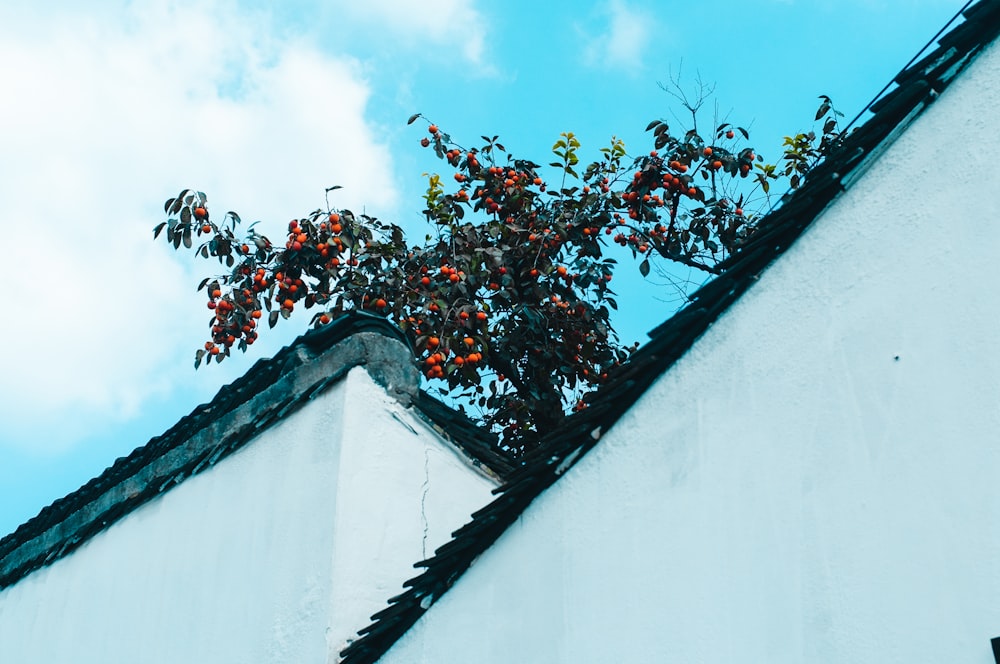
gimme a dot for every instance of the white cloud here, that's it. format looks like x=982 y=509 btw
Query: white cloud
x=446 y=22
x=108 y=112
x=626 y=33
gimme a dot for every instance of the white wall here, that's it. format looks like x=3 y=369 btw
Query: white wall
x=280 y=553
x=789 y=491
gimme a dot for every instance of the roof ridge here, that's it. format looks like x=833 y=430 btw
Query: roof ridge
x=671 y=339
x=34 y=544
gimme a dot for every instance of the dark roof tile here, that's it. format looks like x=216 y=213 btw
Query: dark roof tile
x=669 y=341
x=276 y=386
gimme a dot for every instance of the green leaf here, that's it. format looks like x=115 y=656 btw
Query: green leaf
x=413 y=118
x=644 y=268
x=158 y=229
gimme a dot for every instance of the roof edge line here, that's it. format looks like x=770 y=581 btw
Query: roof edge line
x=304 y=374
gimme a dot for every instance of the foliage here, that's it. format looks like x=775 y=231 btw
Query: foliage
x=508 y=302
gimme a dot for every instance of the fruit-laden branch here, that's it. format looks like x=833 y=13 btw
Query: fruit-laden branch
x=508 y=305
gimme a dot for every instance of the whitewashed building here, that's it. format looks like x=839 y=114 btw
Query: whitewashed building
x=803 y=465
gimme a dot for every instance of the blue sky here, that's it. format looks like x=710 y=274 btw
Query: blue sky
x=110 y=107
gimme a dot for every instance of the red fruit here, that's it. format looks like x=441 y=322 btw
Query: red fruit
x=200 y=213
x=380 y=303
x=424 y=142
x=730 y=134
x=433 y=129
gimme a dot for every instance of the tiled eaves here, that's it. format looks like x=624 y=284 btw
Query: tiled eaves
x=917 y=86
x=267 y=393
x=479 y=444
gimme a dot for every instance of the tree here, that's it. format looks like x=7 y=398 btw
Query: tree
x=508 y=302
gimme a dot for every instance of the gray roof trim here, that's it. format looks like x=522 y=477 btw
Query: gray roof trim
x=266 y=394
x=917 y=87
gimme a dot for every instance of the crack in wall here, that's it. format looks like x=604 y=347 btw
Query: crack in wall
x=423 y=499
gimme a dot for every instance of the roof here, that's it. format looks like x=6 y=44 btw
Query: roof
x=917 y=85
x=270 y=391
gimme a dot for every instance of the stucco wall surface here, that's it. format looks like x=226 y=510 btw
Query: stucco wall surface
x=279 y=553
x=817 y=479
